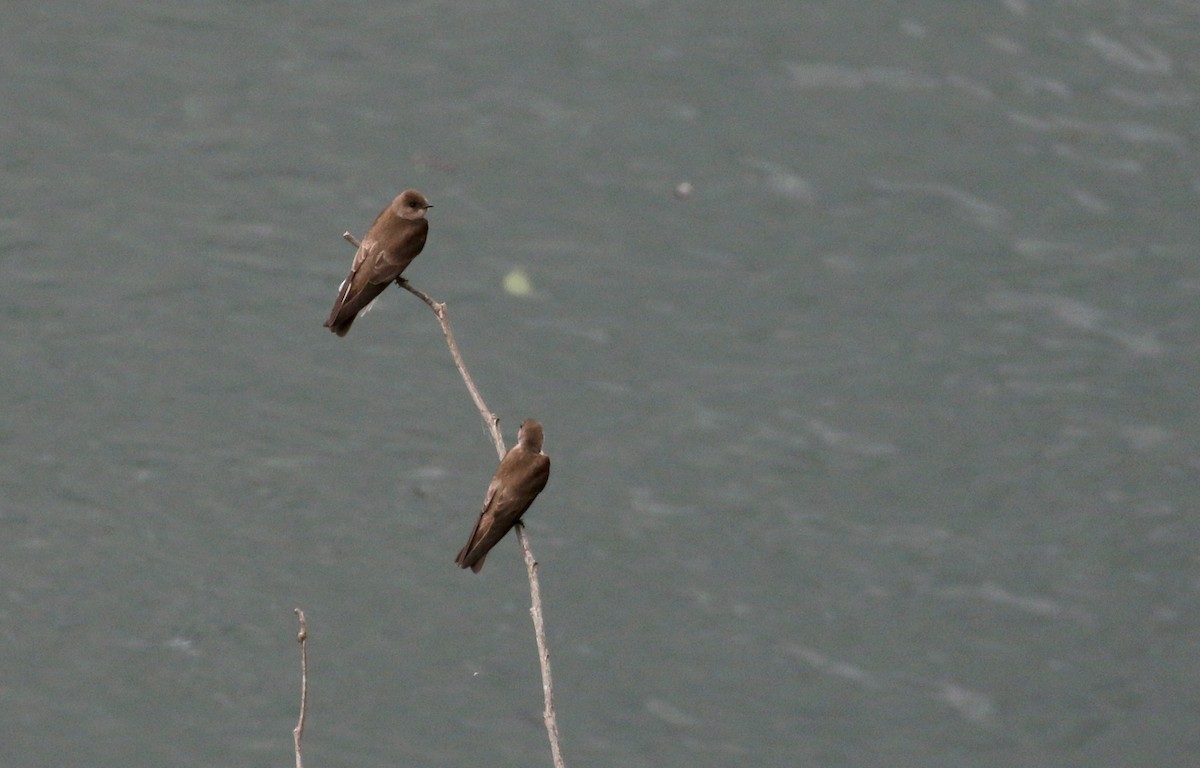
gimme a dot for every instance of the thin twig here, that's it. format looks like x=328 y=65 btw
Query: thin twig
x=439 y=309
x=490 y=419
x=493 y=424
x=539 y=632
x=298 y=731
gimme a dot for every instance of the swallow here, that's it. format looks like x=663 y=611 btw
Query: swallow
x=519 y=479
x=392 y=242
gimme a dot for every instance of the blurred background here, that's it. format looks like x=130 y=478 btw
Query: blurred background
x=875 y=443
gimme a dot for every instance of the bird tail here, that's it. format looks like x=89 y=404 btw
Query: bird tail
x=462 y=561
x=342 y=328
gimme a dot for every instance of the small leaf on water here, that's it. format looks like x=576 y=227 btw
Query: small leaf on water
x=516 y=283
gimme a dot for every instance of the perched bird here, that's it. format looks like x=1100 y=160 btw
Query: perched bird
x=521 y=476
x=392 y=242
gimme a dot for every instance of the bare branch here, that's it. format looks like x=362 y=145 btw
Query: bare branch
x=493 y=424
x=539 y=633
x=298 y=731
x=535 y=611
x=490 y=419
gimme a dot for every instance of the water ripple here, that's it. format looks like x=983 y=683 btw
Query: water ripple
x=984 y=213
x=1077 y=315
x=1142 y=57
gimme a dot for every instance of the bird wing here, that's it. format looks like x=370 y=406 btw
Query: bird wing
x=395 y=256
x=482 y=525
x=538 y=476
x=506 y=502
x=344 y=289
x=487 y=518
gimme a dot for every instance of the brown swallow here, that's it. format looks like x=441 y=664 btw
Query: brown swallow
x=392 y=242
x=520 y=477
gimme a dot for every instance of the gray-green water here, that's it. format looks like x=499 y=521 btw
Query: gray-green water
x=879 y=450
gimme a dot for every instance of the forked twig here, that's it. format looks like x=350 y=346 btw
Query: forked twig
x=493 y=424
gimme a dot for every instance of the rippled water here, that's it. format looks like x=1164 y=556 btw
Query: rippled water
x=878 y=448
